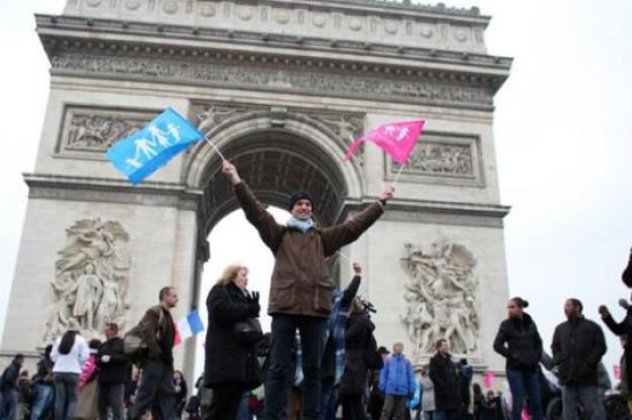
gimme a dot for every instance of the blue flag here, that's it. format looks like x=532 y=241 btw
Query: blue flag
x=146 y=150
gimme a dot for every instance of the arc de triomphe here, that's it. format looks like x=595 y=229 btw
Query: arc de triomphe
x=282 y=87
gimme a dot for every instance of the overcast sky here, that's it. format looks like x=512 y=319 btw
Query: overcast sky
x=563 y=134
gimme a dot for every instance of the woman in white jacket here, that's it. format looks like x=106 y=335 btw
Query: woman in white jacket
x=70 y=352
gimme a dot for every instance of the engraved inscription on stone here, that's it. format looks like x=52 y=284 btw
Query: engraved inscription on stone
x=441 y=297
x=96 y=129
x=91 y=279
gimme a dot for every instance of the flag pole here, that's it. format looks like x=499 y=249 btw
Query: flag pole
x=215 y=148
x=401 y=168
x=342 y=254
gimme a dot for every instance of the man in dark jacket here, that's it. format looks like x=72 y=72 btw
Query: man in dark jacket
x=156 y=381
x=578 y=345
x=301 y=288
x=445 y=377
x=466 y=372
x=43 y=386
x=8 y=382
x=114 y=372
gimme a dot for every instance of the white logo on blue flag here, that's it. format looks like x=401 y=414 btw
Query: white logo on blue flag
x=146 y=150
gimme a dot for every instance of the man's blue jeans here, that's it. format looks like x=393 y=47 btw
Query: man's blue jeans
x=446 y=414
x=43 y=401
x=590 y=397
x=522 y=384
x=312 y=330
x=8 y=404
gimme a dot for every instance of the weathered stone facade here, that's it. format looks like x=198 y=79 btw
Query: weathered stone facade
x=281 y=87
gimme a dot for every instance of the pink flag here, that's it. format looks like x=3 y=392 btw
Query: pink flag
x=488 y=380
x=397 y=139
x=616 y=372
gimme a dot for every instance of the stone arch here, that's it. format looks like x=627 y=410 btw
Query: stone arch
x=276 y=155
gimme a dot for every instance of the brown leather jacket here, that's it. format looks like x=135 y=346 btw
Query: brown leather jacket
x=300 y=283
x=154 y=328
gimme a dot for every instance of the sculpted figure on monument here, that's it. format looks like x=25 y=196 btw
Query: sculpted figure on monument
x=89 y=291
x=91 y=279
x=211 y=116
x=441 y=292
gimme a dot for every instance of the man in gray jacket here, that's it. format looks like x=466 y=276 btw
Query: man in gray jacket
x=578 y=346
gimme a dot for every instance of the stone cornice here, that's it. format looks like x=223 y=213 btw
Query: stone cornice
x=408 y=5
x=376 y=22
x=91 y=189
x=220 y=58
x=69 y=30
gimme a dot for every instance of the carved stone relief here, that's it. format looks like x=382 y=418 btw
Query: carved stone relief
x=441 y=296
x=440 y=158
x=95 y=129
x=91 y=279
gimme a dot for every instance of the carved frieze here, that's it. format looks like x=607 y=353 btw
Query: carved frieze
x=94 y=129
x=442 y=158
x=441 y=297
x=277 y=76
x=91 y=279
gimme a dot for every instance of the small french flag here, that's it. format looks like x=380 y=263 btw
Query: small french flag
x=188 y=326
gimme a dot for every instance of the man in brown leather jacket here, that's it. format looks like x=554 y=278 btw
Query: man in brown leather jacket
x=156 y=382
x=301 y=288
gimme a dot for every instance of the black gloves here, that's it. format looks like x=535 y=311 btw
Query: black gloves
x=253 y=304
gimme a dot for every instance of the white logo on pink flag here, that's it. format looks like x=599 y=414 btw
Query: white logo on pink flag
x=398 y=139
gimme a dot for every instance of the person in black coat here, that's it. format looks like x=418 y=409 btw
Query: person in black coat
x=519 y=342
x=114 y=373
x=445 y=377
x=231 y=363
x=623 y=330
x=578 y=346
x=359 y=342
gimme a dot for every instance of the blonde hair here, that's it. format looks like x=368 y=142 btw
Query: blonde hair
x=230 y=273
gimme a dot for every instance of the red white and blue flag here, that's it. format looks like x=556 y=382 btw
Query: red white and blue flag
x=188 y=326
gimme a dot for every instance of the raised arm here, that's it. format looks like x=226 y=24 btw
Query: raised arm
x=352 y=289
x=344 y=233
x=269 y=231
x=618 y=328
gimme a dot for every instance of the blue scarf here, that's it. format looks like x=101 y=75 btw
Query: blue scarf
x=302 y=225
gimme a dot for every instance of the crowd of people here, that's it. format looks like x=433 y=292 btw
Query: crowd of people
x=79 y=379
x=319 y=361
